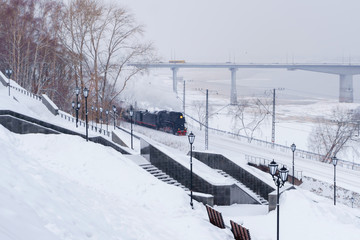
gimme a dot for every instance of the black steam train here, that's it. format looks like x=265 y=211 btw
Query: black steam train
x=167 y=121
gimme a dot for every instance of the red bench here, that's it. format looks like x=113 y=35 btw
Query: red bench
x=215 y=217
x=240 y=233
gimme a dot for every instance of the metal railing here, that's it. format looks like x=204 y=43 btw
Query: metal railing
x=259 y=161
x=82 y=123
x=27 y=93
x=282 y=148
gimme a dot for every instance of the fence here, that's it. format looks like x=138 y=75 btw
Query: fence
x=81 y=123
x=282 y=148
x=37 y=97
x=265 y=162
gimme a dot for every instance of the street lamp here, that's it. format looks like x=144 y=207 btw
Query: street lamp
x=96 y=118
x=107 y=120
x=86 y=94
x=131 y=115
x=334 y=161
x=293 y=148
x=101 y=110
x=77 y=92
x=114 y=109
x=73 y=107
x=280 y=178
x=8 y=73
x=191 y=137
x=92 y=117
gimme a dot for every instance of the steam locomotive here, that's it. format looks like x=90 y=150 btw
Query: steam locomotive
x=167 y=121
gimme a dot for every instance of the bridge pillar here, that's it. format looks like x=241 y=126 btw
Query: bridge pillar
x=233 y=91
x=346 y=88
x=175 y=70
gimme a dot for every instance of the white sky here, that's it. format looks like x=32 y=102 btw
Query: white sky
x=251 y=31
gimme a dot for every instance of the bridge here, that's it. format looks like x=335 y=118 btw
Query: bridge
x=345 y=72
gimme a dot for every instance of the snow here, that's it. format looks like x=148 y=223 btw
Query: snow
x=62 y=187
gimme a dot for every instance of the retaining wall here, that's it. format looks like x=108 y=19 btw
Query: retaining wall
x=218 y=161
x=223 y=194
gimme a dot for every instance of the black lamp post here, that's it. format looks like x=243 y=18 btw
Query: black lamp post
x=114 y=109
x=293 y=148
x=92 y=117
x=101 y=110
x=96 y=118
x=334 y=161
x=8 y=73
x=73 y=107
x=280 y=178
x=107 y=120
x=77 y=109
x=86 y=94
x=77 y=92
x=131 y=115
x=191 y=137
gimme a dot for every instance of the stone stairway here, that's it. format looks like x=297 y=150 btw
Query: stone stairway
x=161 y=175
x=243 y=186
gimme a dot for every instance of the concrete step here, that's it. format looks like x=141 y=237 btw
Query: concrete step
x=261 y=199
x=161 y=175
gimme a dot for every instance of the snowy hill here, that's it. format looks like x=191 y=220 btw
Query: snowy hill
x=62 y=187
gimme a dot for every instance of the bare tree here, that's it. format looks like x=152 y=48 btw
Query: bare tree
x=103 y=39
x=200 y=109
x=331 y=135
x=248 y=114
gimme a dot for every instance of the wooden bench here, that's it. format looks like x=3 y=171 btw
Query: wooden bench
x=215 y=217
x=240 y=233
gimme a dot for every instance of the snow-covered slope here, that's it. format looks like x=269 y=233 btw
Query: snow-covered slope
x=62 y=187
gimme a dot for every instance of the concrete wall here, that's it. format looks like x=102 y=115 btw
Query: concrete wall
x=218 y=161
x=204 y=198
x=3 y=79
x=49 y=104
x=23 y=124
x=273 y=197
x=23 y=127
x=116 y=139
x=223 y=194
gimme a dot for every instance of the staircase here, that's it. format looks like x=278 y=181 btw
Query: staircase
x=161 y=175
x=262 y=200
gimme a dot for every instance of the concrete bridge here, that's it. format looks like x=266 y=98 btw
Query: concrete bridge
x=344 y=71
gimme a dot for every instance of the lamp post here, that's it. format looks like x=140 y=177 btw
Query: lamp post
x=114 y=109
x=86 y=94
x=107 y=120
x=101 y=110
x=280 y=178
x=73 y=107
x=8 y=73
x=96 y=118
x=77 y=109
x=77 y=92
x=131 y=121
x=191 y=141
x=334 y=161
x=293 y=148
x=92 y=117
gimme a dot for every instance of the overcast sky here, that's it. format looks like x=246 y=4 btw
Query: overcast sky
x=252 y=30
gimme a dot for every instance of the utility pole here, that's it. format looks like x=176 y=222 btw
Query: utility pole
x=207 y=121
x=184 y=98
x=273 y=120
